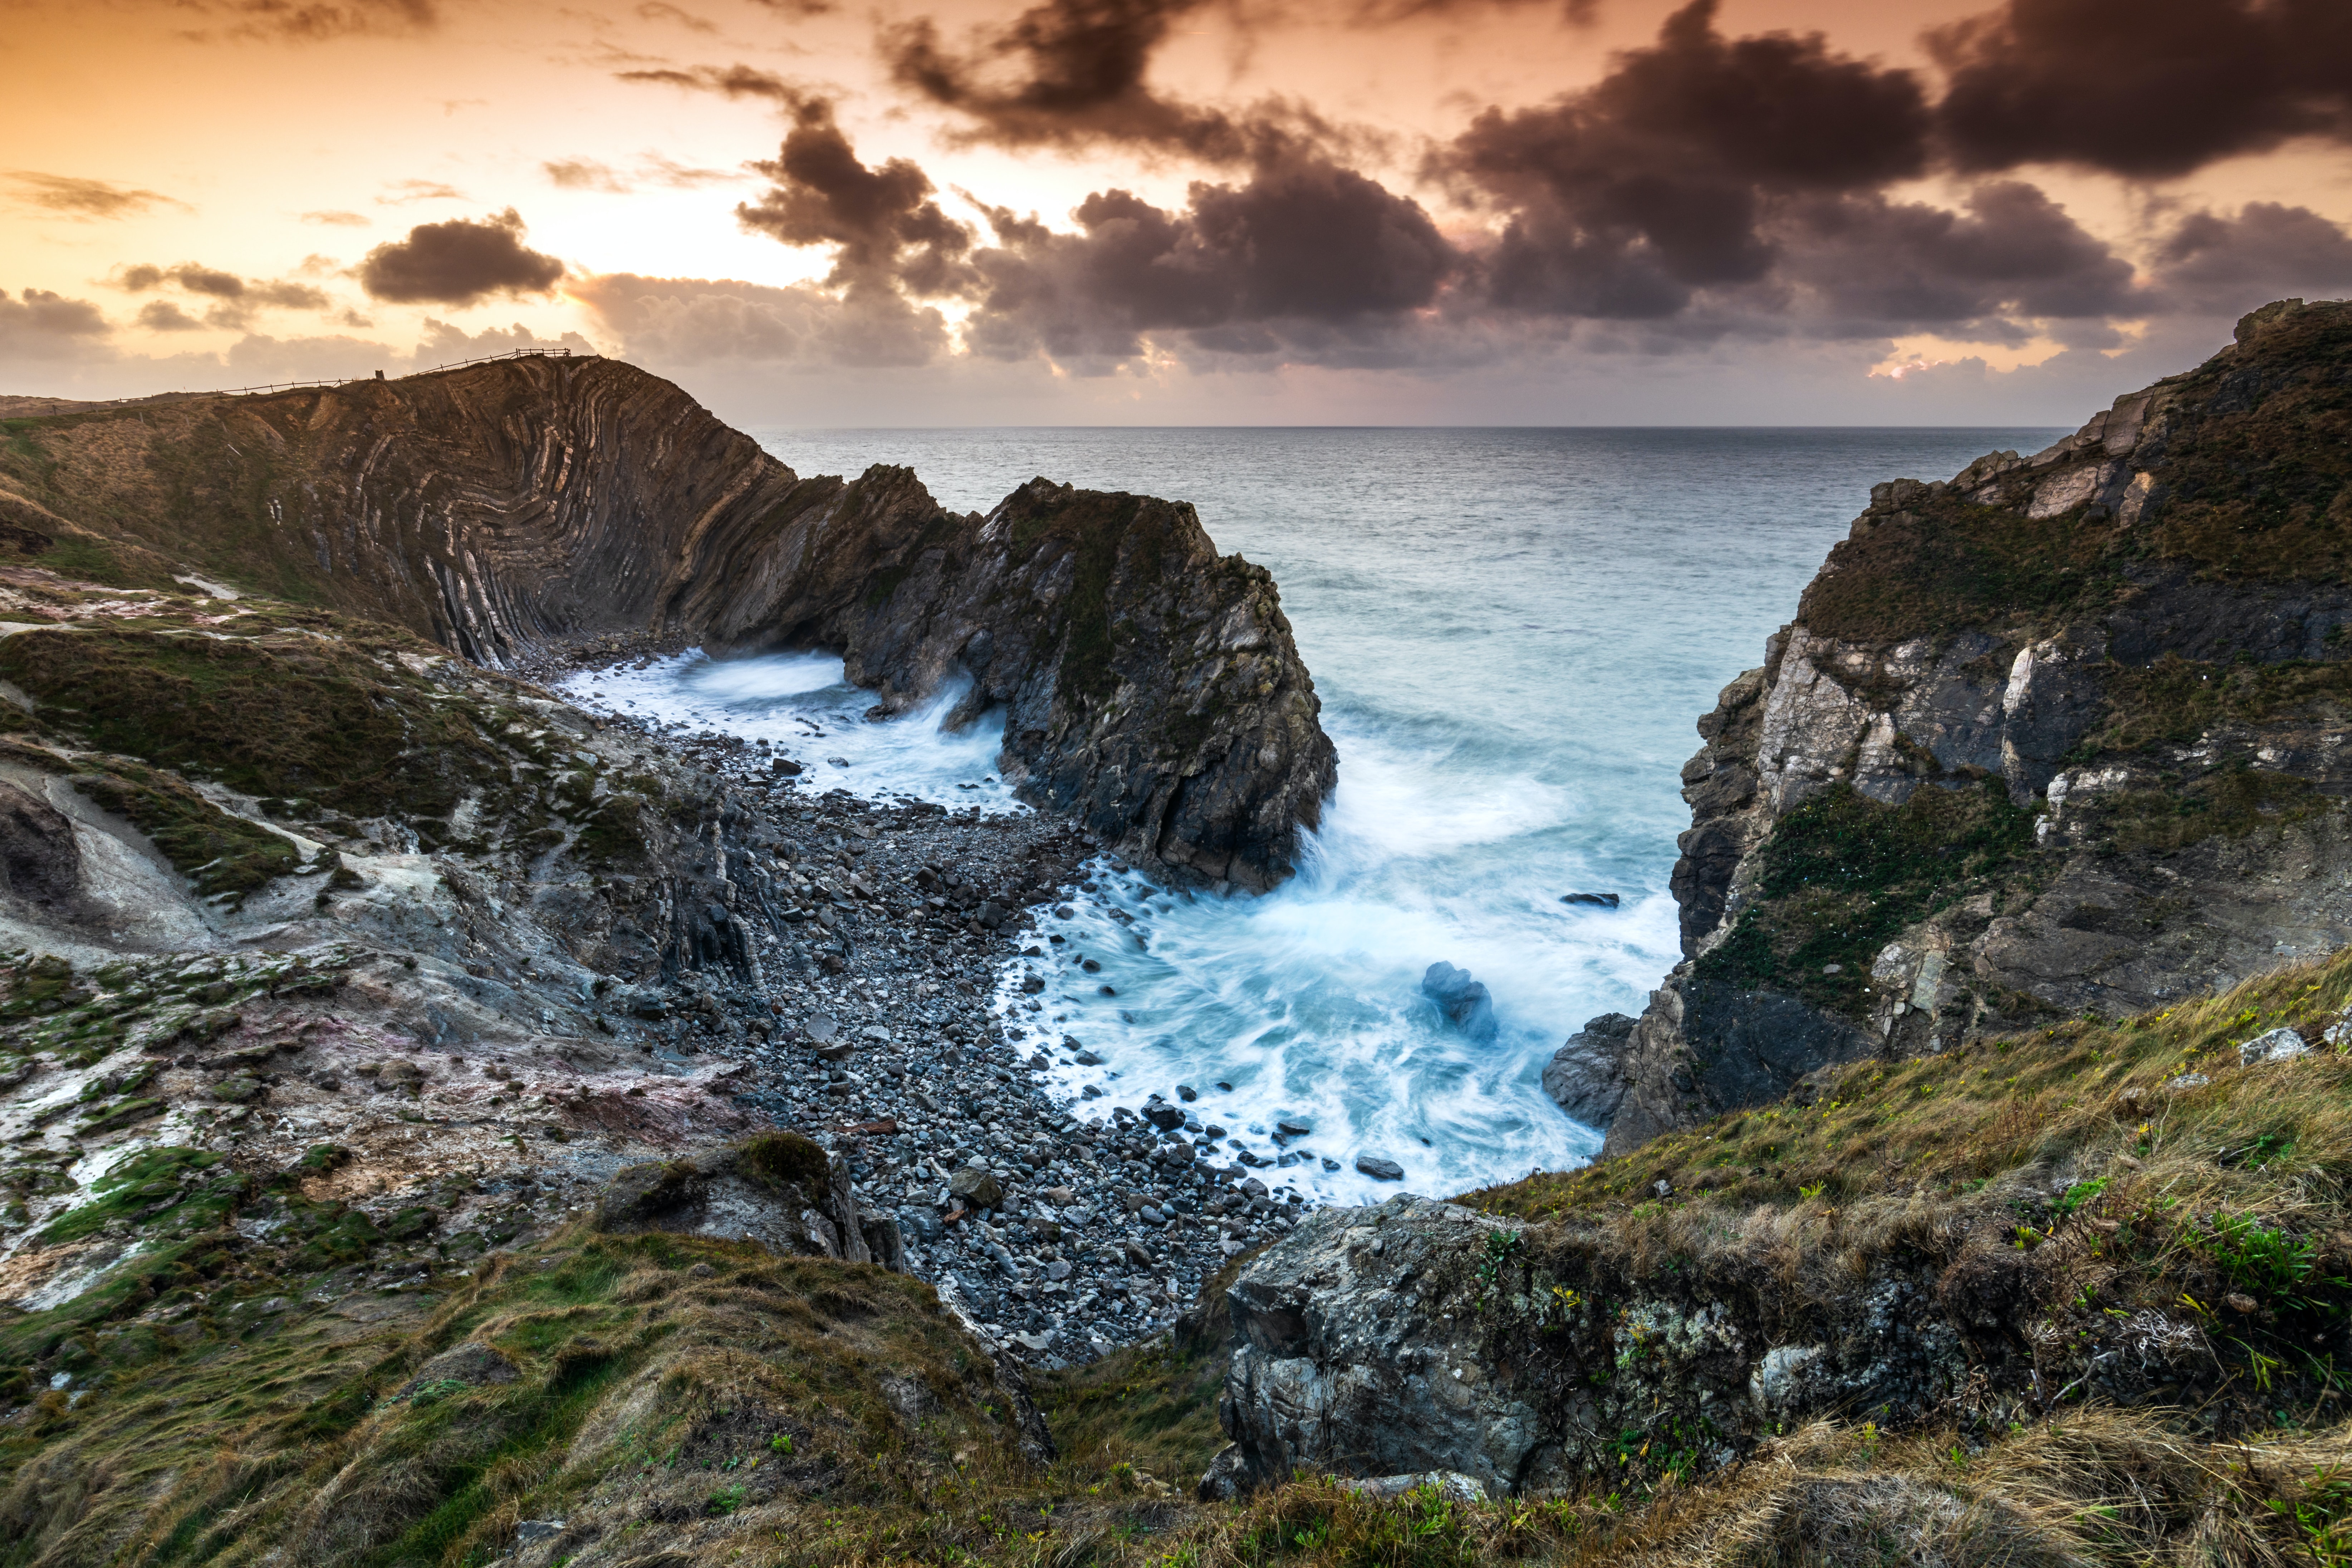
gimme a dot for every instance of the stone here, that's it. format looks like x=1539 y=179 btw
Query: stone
x=2281 y=1044
x=1465 y=1001
x=475 y=1365
x=1186 y=1093
x=1372 y=1166
x=1599 y=901
x=819 y=1027
x=1452 y=1485
x=531 y=1531
x=1586 y=1076
x=977 y=1187
x=1164 y=1116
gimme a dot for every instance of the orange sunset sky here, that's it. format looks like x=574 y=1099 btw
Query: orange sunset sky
x=819 y=212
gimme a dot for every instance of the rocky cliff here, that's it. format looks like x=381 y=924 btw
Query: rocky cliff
x=2061 y=735
x=1153 y=689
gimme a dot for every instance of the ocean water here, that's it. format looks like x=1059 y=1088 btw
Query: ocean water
x=1512 y=631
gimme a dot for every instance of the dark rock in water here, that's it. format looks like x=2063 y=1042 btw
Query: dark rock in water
x=1587 y=1075
x=1601 y=900
x=1465 y=1001
x=1380 y=1170
x=1162 y=1115
x=1186 y=1092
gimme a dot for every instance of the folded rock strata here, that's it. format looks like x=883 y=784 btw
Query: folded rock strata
x=1151 y=687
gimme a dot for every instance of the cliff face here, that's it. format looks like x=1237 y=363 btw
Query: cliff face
x=2060 y=735
x=1155 y=688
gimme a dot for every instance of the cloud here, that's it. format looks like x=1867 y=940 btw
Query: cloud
x=1063 y=73
x=83 y=198
x=236 y=301
x=887 y=231
x=1270 y=266
x=459 y=262
x=1625 y=197
x=690 y=322
x=403 y=190
x=39 y=324
x=2144 y=89
x=658 y=11
x=2268 y=251
x=165 y=316
x=313 y=21
x=652 y=169
x=584 y=174
x=339 y=219
x=732 y=81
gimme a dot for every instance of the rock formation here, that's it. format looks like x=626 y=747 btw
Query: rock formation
x=2061 y=735
x=1152 y=687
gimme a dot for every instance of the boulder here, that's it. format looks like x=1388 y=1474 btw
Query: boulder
x=976 y=1187
x=474 y=1365
x=40 y=861
x=779 y=1190
x=1372 y=1166
x=1465 y=1001
x=1586 y=1076
x=2281 y=1044
x=1414 y=1342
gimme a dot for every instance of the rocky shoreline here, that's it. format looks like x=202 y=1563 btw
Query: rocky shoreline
x=896 y=1023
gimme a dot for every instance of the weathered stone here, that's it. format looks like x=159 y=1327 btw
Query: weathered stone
x=1465 y=1001
x=1586 y=1076
x=976 y=1187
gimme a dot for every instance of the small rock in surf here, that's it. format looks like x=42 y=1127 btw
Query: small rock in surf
x=1465 y=1002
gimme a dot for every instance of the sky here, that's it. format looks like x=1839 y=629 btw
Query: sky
x=1165 y=212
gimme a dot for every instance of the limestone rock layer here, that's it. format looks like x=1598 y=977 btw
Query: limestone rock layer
x=2062 y=734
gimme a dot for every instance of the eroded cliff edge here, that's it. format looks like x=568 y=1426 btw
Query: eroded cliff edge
x=1153 y=687
x=2060 y=735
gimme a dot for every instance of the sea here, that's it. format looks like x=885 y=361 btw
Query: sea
x=1513 y=632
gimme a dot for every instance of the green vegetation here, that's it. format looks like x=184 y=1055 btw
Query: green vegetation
x=2257 y=478
x=225 y=857
x=1843 y=875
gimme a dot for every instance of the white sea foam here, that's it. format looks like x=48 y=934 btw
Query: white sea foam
x=804 y=706
x=1510 y=632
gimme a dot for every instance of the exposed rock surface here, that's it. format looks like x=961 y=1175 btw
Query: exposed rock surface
x=2061 y=733
x=1151 y=687
x=1420 y=1336
x=1586 y=1076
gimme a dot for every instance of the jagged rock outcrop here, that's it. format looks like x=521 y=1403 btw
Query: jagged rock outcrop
x=2064 y=733
x=1152 y=687
x=1420 y=1336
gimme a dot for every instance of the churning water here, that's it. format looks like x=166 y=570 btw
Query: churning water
x=1512 y=631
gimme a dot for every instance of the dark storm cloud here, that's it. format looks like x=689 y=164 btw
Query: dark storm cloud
x=459 y=262
x=1241 y=268
x=1063 y=73
x=1625 y=198
x=2267 y=251
x=39 y=324
x=2145 y=88
x=887 y=231
x=83 y=198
